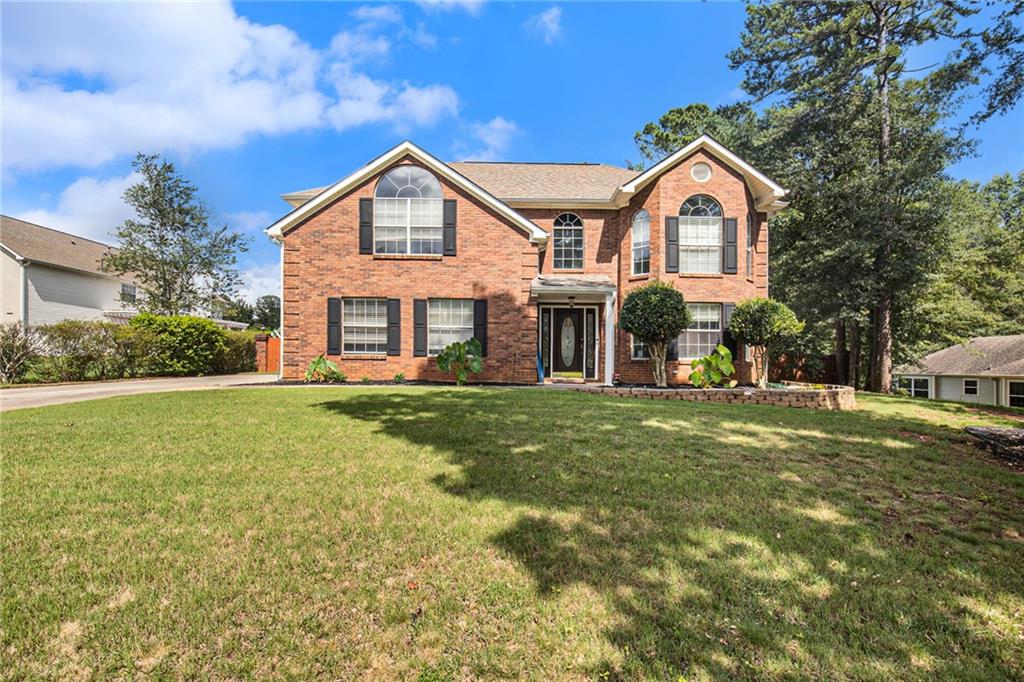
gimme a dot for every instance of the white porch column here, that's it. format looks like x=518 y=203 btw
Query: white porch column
x=609 y=338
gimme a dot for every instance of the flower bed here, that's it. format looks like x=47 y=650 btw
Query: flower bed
x=810 y=396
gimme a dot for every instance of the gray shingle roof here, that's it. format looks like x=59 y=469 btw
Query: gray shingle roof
x=981 y=356
x=45 y=245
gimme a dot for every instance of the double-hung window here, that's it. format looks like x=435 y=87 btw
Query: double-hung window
x=448 y=320
x=700 y=235
x=1016 y=391
x=129 y=294
x=408 y=213
x=917 y=387
x=568 y=239
x=639 y=349
x=970 y=387
x=364 y=325
x=642 y=243
x=704 y=333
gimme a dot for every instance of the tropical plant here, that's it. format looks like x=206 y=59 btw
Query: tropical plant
x=763 y=324
x=18 y=348
x=655 y=314
x=461 y=358
x=399 y=378
x=714 y=369
x=323 y=371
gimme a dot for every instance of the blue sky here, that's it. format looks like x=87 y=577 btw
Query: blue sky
x=255 y=99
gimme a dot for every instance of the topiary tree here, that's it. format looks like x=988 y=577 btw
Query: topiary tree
x=762 y=324
x=655 y=314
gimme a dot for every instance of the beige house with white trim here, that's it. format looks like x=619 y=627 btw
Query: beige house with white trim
x=988 y=370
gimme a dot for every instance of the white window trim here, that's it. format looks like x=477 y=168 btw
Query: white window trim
x=364 y=298
x=472 y=325
x=408 y=227
x=633 y=242
x=750 y=245
x=583 y=241
x=632 y=351
x=721 y=333
x=977 y=387
x=927 y=377
x=1006 y=382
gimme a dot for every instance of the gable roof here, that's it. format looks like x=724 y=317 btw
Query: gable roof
x=981 y=356
x=37 y=244
x=767 y=193
x=332 y=192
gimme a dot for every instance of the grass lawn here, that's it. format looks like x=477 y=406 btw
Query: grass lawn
x=436 y=534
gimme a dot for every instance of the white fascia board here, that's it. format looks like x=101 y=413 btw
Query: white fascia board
x=764 y=201
x=279 y=228
x=11 y=253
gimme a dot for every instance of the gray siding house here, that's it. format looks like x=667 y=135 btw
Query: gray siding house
x=987 y=370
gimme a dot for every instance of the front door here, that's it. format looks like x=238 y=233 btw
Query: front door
x=568 y=349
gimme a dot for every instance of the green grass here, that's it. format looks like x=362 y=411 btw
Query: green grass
x=449 y=534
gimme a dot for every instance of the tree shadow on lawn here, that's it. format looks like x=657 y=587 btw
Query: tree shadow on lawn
x=735 y=541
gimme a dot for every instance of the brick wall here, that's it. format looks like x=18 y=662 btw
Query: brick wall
x=495 y=261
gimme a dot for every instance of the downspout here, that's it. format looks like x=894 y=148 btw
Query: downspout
x=280 y=349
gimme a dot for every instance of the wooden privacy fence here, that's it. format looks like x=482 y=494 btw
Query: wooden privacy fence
x=268 y=353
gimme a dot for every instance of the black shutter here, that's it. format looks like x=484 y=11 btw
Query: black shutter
x=394 y=326
x=727 y=339
x=480 y=323
x=729 y=254
x=419 y=327
x=334 y=326
x=449 y=227
x=672 y=244
x=672 y=352
x=366 y=226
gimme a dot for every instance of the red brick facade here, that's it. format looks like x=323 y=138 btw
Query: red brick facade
x=497 y=261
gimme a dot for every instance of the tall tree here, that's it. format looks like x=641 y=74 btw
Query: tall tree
x=734 y=125
x=180 y=262
x=268 y=312
x=234 y=309
x=812 y=55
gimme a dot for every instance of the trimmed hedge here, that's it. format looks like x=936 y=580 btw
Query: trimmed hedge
x=186 y=346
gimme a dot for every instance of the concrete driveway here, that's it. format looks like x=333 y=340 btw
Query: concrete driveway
x=17 y=398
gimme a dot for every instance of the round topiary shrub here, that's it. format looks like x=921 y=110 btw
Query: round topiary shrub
x=655 y=314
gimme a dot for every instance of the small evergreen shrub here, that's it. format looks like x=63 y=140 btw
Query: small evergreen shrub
x=187 y=345
x=399 y=378
x=239 y=354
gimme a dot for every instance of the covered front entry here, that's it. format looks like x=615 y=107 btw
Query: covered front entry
x=575 y=319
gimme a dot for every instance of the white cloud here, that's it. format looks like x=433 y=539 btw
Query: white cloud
x=84 y=84
x=89 y=207
x=473 y=7
x=490 y=140
x=248 y=221
x=547 y=24
x=421 y=36
x=260 y=279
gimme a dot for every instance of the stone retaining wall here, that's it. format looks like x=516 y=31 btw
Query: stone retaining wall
x=802 y=395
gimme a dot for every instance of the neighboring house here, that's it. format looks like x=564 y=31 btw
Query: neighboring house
x=48 y=276
x=388 y=265
x=987 y=369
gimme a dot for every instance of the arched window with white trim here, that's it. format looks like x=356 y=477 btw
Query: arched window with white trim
x=700 y=235
x=568 y=238
x=641 y=230
x=408 y=212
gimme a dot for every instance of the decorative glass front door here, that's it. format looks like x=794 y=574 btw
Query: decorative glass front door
x=568 y=330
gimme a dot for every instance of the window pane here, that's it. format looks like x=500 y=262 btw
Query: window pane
x=704 y=333
x=365 y=325
x=700 y=245
x=408 y=225
x=1017 y=394
x=642 y=243
x=639 y=349
x=409 y=182
x=448 y=320
x=568 y=242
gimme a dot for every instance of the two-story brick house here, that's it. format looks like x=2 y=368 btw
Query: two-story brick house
x=388 y=265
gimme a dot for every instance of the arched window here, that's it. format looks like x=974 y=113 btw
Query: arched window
x=408 y=212
x=641 y=243
x=568 y=242
x=700 y=235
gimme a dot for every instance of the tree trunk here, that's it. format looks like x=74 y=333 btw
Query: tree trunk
x=658 y=351
x=881 y=363
x=853 y=368
x=840 y=350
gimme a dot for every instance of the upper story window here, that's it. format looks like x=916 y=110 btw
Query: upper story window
x=568 y=239
x=129 y=294
x=642 y=243
x=750 y=245
x=700 y=235
x=408 y=212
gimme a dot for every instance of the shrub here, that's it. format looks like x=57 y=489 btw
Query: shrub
x=321 y=370
x=461 y=358
x=763 y=324
x=715 y=369
x=186 y=346
x=18 y=348
x=655 y=314
x=365 y=380
x=134 y=351
x=399 y=378
x=239 y=354
x=73 y=350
